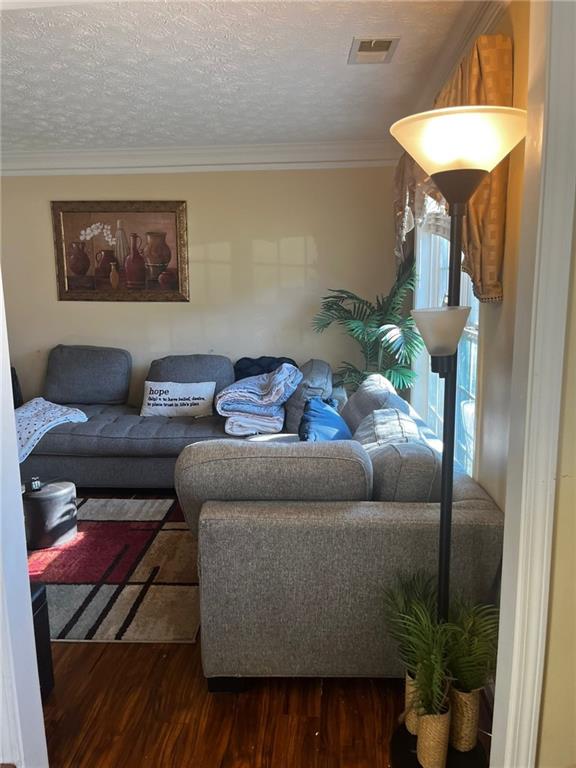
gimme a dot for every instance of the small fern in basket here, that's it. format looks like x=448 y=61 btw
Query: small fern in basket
x=411 y=591
x=473 y=645
x=384 y=329
x=425 y=643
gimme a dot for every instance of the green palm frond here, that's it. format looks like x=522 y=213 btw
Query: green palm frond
x=349 y=376
x=384 y=330
x=473 y=645
x=424 y=644
x=399 y=377
x=410 y=590
x=340 y=307
x=401 y=339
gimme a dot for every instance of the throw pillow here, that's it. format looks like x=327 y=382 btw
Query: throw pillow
x=321 y=421
x=374 y=392
x=170 y=398
x=386 y=426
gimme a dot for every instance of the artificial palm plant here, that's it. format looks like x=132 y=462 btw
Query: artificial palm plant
x=426 y=642
x=400 y=600
x=384 y=329
x=410 y=592
x=472 y=654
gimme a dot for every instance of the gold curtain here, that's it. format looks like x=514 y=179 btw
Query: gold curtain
x=484 y=76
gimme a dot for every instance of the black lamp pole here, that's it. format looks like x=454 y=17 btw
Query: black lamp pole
x=457 y=187
x=449 y=372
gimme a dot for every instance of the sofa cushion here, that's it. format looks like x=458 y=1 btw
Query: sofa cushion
x=121 y=431
x=193 y=368
x=87 y=375
x=321 y=421
x=239 y=469
x=386 y=425
x=374 y=392
x=316 y=382
x=406 y=458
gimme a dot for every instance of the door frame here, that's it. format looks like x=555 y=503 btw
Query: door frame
x=539 y=339
x=22 y=737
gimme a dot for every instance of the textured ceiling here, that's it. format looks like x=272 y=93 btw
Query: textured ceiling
x=166 y=74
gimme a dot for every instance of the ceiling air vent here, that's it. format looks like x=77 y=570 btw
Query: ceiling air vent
x=370 y=50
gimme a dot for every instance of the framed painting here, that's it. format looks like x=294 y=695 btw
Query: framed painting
x=121 y=251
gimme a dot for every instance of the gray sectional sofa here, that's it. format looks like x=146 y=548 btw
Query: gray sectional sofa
x=118 y=448
x=298 y=541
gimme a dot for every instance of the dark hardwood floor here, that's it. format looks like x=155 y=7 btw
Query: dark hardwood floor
x=120 y=705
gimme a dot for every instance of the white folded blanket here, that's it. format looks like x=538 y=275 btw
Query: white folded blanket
x=38 y=416
x=244 y=424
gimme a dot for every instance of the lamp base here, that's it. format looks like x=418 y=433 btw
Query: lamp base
x=442 y=364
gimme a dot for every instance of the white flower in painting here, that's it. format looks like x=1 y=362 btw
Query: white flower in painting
x=96 y=229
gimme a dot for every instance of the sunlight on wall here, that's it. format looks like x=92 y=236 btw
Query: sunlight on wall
x=263 y=248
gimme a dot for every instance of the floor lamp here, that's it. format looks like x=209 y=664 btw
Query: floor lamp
x=457 y=147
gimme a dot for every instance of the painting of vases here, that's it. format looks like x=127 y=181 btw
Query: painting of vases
x=121 y=251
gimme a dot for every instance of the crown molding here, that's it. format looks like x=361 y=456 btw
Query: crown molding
x=471 y=24
x=197 y=159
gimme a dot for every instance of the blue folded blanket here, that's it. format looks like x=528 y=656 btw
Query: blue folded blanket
x=262 y=395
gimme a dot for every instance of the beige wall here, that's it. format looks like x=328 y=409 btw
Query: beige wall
x=497 y=320
x=263 y=248
x=558 y=716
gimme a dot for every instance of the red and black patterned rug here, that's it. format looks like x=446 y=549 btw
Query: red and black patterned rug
x=129 y=574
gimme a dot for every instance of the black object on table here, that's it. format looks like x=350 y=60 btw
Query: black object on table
x=42 y=637
x=403 y=753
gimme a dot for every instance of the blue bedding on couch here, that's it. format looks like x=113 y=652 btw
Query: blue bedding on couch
x=321 y=421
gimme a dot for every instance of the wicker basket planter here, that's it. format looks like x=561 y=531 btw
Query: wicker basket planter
x=464 y=721
x=411 y=716
x=433 y=737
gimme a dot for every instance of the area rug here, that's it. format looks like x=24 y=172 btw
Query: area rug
x=129 y=575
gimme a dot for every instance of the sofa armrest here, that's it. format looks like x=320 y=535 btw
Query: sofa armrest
x=238 y=470
x=298 y=588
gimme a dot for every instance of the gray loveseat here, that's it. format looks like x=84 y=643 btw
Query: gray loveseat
x=118 y=448
x=298 y=541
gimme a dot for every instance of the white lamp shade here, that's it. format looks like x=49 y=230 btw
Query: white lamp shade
x=441 y=328
x=459 y=138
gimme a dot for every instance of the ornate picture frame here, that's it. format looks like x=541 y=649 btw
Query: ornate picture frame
x=121 y=251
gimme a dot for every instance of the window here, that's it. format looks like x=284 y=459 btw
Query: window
x=432 y=265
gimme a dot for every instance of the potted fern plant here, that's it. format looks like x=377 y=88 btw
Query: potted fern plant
x=417 y=589
x=471 y=660
x=384 y=329
x=428 y=642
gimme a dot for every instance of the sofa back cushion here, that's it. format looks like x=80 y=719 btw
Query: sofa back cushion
x=374 y=392
x=88 y=375
x=316 y=382
x=188 y=369
x=406 y=463
x=239 y=470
